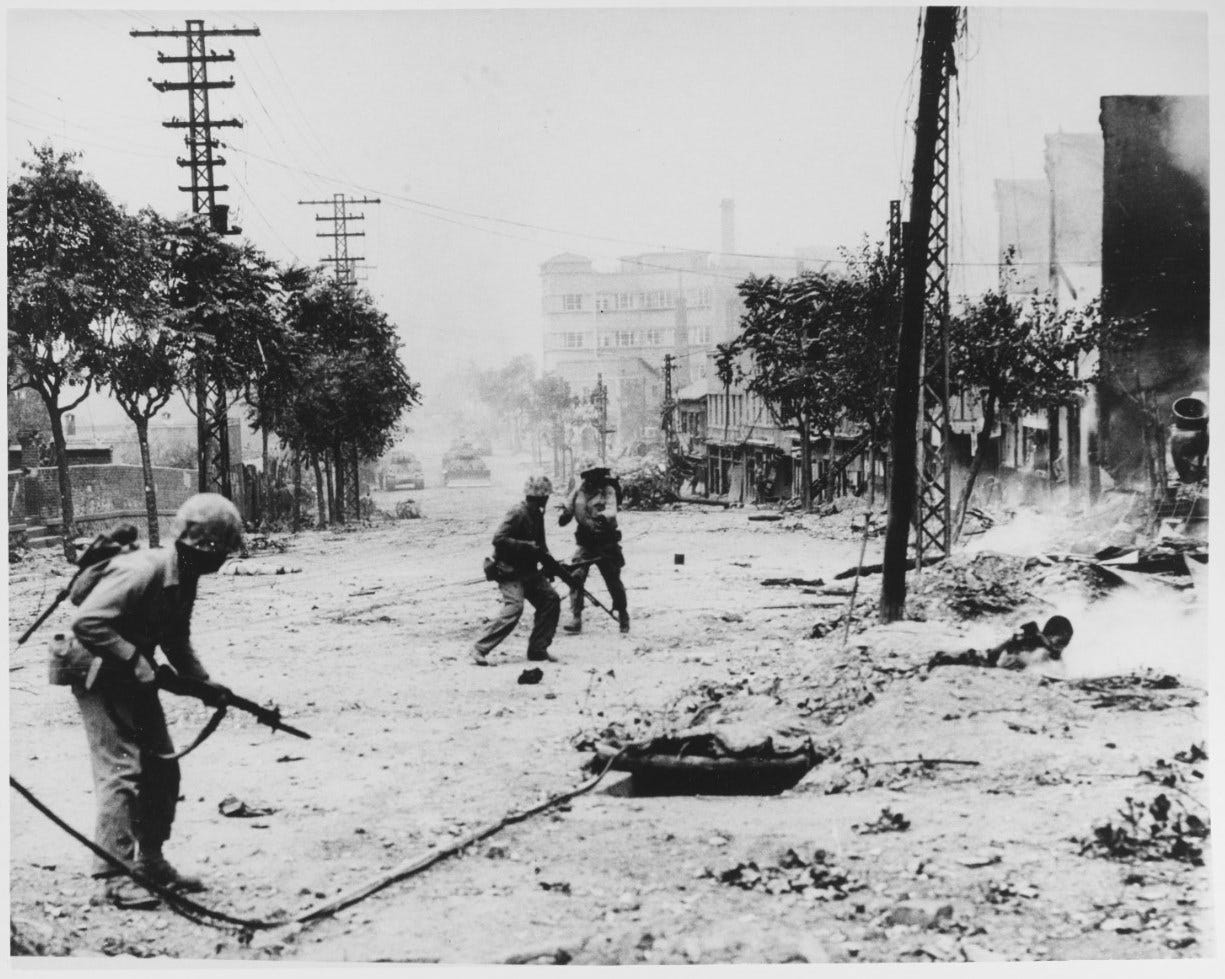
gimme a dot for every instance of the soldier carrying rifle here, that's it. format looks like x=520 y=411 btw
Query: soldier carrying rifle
x=519 y=549
x=593 y=505
x=128 y=606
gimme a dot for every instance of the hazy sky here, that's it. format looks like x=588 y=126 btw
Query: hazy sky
x=497 y=138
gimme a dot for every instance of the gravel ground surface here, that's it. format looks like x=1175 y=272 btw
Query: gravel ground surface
x=362 y=637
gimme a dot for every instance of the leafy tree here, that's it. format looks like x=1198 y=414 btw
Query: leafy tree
x=66 y=271
x=859 y=336
x=555 y=414
x=340 y=387
x=139 y=350
x=780 y=338
x=1022 y=357
x=222 y=297
x=508 y=390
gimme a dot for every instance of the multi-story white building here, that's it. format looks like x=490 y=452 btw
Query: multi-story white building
x=619 y=325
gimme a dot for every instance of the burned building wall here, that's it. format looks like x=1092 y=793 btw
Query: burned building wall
x=1154 y=263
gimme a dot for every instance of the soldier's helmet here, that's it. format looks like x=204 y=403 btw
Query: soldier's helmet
x=591 y=465
x=209 y=522
x=538 y=486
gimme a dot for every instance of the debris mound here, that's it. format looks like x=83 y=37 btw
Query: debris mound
x=644 y=483
x=817 y=877
x=1158 y=830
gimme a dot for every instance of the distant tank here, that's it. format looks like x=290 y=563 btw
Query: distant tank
x=463 y=466
x=401 y=470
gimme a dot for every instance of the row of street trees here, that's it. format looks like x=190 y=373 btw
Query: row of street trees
x=539 y=409
x=145 y=306
x=821 y=349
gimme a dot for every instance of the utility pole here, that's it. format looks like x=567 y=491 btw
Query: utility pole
x=669 y=407
x=344 y=269
x=344 y=264
x=934 y=519
x=212 y=417
x=939 y=29
x=599 y=398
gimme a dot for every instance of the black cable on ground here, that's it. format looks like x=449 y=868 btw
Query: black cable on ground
x=179 y=904
x=199 y=914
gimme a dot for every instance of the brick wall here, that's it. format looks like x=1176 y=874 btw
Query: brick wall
x=99 y=492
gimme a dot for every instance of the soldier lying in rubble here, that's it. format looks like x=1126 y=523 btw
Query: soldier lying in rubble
x=1025 y=647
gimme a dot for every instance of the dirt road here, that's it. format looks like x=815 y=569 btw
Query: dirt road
x=362 y=637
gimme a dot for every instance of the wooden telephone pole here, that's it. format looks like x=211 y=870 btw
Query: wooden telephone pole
x=939 y=30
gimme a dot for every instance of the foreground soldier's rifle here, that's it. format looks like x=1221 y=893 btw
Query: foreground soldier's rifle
x=101 y=548
x=552 y=566
x=218 y=697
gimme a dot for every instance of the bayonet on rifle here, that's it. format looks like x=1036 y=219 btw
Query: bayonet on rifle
x=213 y=696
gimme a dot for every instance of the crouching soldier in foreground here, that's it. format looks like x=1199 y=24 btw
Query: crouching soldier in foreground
x=593 y=504
x=130 y=605
x=518 y=549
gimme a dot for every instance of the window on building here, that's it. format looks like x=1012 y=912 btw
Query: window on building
x=652 y=338
x=624 y=300
x=626 y=338
x=603 y=303
x=571 y=340
x=572 y=302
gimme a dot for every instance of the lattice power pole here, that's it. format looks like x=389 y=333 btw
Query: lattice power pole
x=344 y=265
x=344 y=268
x=669 y=407
x=599 y=398
x=212 y=416
x=923 y=288
x=933 y=517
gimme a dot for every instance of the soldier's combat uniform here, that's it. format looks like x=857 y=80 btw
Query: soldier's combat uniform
x=593 y=506
x=130 y=606
x=518 y=546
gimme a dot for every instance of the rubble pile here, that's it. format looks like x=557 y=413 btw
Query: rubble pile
x=1147 y=690
x=816 y=878
x=644 y=483
x=1158 y=830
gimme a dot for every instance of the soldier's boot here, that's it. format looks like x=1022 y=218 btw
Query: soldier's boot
x=575 y=625
x=623 y=617
x=159 y=870
x=124 y=893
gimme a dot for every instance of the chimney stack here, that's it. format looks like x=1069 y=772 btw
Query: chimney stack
x=728 y=243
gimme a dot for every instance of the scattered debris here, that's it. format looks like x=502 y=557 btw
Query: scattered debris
x=887 y=822
x=918 y=914
x=1156 y=831
x=817 y=877
x=867 y=569
x=530 y=676
x=809 y=582
x=235 y=808
x=1145 y=690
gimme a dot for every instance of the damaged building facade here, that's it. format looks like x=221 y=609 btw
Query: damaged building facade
x=1155 y=264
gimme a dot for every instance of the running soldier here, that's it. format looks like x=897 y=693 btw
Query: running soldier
x=518 y=550
x=593 y=505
